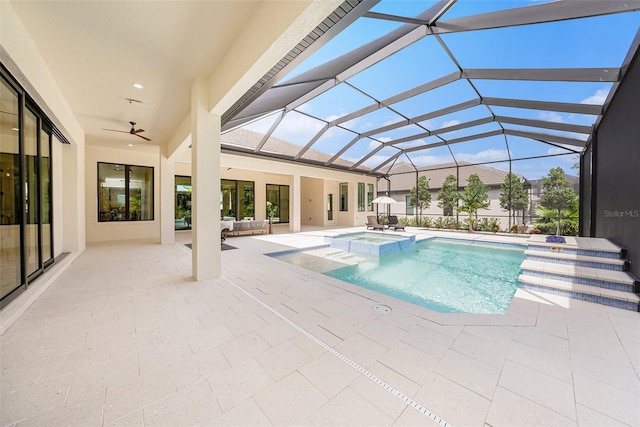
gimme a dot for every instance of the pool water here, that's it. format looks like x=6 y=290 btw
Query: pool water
x=370 y=237
x=444 y=275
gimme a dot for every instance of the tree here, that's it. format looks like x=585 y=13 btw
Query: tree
x=557 y=195
x=473 y=198
x=424 y=196
x=547 y=224
x=513 y=196
x=448 y=194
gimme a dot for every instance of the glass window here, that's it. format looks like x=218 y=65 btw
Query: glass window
x=10 y=203
x=125 y=193
x=278 y=203
x=237 y=200
x=370 y=197
x=361 y=197
x=228 y=200
x=407 y=201
x=183 y=202
x=330 y=207
x=247 y=197
x=344 y=197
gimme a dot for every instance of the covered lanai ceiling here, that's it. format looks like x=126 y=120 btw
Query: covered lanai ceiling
x=434 y=82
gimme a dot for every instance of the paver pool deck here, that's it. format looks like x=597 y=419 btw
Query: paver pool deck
x=124 y=336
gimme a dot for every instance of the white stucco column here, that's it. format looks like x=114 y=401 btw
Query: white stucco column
x=167 y=200
x=73 y=196
x=294 y=214
x=205 y=182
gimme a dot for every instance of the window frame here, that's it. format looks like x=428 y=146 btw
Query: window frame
x=282 y=188
x=343 y=199
x=370 y=193
x=127 y=194
x=408 y=206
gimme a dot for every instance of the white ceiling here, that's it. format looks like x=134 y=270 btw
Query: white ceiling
x=96 y=50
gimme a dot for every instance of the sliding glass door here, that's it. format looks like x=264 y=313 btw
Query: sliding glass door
x=26 y=238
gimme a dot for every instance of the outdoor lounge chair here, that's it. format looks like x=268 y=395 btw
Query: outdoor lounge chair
x=393 y=223
x=372 y=222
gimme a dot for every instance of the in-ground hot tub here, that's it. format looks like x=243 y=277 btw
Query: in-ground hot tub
x=371 y=243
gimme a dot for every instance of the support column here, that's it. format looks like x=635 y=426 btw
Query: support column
x=205 y=181
x=294 y=215
x=73 y=211
x=167 y=200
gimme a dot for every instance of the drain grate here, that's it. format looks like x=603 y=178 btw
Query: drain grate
x=382 y=309
x=406 y=399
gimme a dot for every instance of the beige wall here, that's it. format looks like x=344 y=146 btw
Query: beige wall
x=313 y=203
x=125 y=230
x=316 y=184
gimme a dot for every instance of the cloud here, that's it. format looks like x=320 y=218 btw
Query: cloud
x=298 y=129
x=598 y=98
x=373 y=144
x=375 y=161
x=550 y=116
x=384 y=139
x=410 y=144
x=426 y=160
x=569 y=158
x=556 y=150
x=489 y=155
x=448 y=123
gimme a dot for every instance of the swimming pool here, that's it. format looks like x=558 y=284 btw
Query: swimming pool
x=444 y=275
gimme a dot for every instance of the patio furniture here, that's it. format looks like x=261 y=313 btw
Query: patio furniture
x=393 y=223
x=372 y=222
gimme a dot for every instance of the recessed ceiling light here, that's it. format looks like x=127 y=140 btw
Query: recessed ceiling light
x=15 y=129
x=138 y=86
x=130 y=145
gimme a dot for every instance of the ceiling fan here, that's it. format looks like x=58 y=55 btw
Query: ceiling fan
x=132 y=131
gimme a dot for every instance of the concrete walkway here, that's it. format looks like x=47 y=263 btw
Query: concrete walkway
x=125 y=336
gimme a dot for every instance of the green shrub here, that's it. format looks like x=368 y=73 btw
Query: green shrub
x=488 y=224
x=408 y=221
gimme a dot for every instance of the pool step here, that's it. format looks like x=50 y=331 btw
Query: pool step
x=615 y=264
x=583 y=268
x=579 y=246
x=609 y=297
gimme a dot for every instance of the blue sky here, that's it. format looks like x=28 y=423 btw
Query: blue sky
x=584 y=43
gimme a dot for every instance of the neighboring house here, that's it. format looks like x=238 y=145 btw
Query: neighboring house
x=536 y=190
x=402 y=178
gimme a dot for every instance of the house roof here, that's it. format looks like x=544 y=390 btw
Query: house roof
x=249 y=140
x=403 y=176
